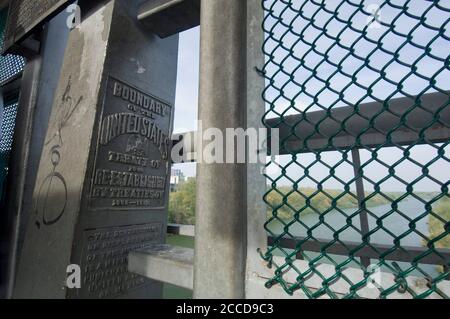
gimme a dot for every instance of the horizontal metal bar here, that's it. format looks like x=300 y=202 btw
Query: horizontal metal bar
x=168 y=17
x=403 y=118
x=320 y=126
x=164 y=263
x=183 y=230
x=4 y=3
x=405 y=254
x=10 y=89
x=173 y=229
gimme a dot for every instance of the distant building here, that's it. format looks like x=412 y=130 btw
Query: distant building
x=176 y=178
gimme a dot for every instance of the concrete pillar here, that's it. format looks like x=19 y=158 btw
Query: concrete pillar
x=220 y=243
x=97 y=196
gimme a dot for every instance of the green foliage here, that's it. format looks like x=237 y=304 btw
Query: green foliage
x=286 y=202
x=436 y=226
x=182 y=203
x=180 y=241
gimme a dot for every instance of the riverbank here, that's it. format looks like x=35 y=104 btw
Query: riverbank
x=286 y=202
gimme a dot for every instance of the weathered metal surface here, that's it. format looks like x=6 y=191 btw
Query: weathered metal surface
x=256 y=182
x=183 y=230
x=168 y=264
x=19 y=156
x=168 y=17
x=409 y=123
x=54 y=42
x=130 y=170
x=111 y=120
x=405 y=254
x=24 y=16
x=402 y=114
x=220 y=242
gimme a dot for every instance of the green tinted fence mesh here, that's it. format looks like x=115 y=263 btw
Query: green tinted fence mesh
x=358 y=200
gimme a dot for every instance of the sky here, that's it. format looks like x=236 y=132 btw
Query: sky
x=188 y=78
x=186 y=102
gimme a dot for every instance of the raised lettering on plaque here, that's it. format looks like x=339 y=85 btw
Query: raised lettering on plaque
x=131 y=164
x=104 y=260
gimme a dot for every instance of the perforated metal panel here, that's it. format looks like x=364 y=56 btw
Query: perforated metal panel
x=10 y=65
x=6 y=139
x=7 y=128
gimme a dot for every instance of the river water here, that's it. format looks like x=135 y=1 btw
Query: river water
x=395 y=225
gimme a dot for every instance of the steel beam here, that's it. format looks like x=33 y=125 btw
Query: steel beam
x=370 y=251
x=168 y=17
x=164 y=263
x=404 y=120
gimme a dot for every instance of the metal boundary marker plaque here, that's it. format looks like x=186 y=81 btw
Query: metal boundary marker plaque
x=24 y=16
x=135 y=133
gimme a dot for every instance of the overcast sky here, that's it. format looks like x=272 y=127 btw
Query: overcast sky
x=186 y=104
x=187 y=97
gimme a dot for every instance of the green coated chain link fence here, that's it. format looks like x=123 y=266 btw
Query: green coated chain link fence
x=358 y=198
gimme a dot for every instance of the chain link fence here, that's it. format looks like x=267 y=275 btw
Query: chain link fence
x=358 y=201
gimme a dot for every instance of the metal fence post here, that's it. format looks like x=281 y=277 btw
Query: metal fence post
x=39 y=81
x=19 y=159
x=220 y=244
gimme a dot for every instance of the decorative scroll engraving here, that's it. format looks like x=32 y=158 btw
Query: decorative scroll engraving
x=52 y=197
x=105 y=259
x=131 y=165
x=51 y=208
